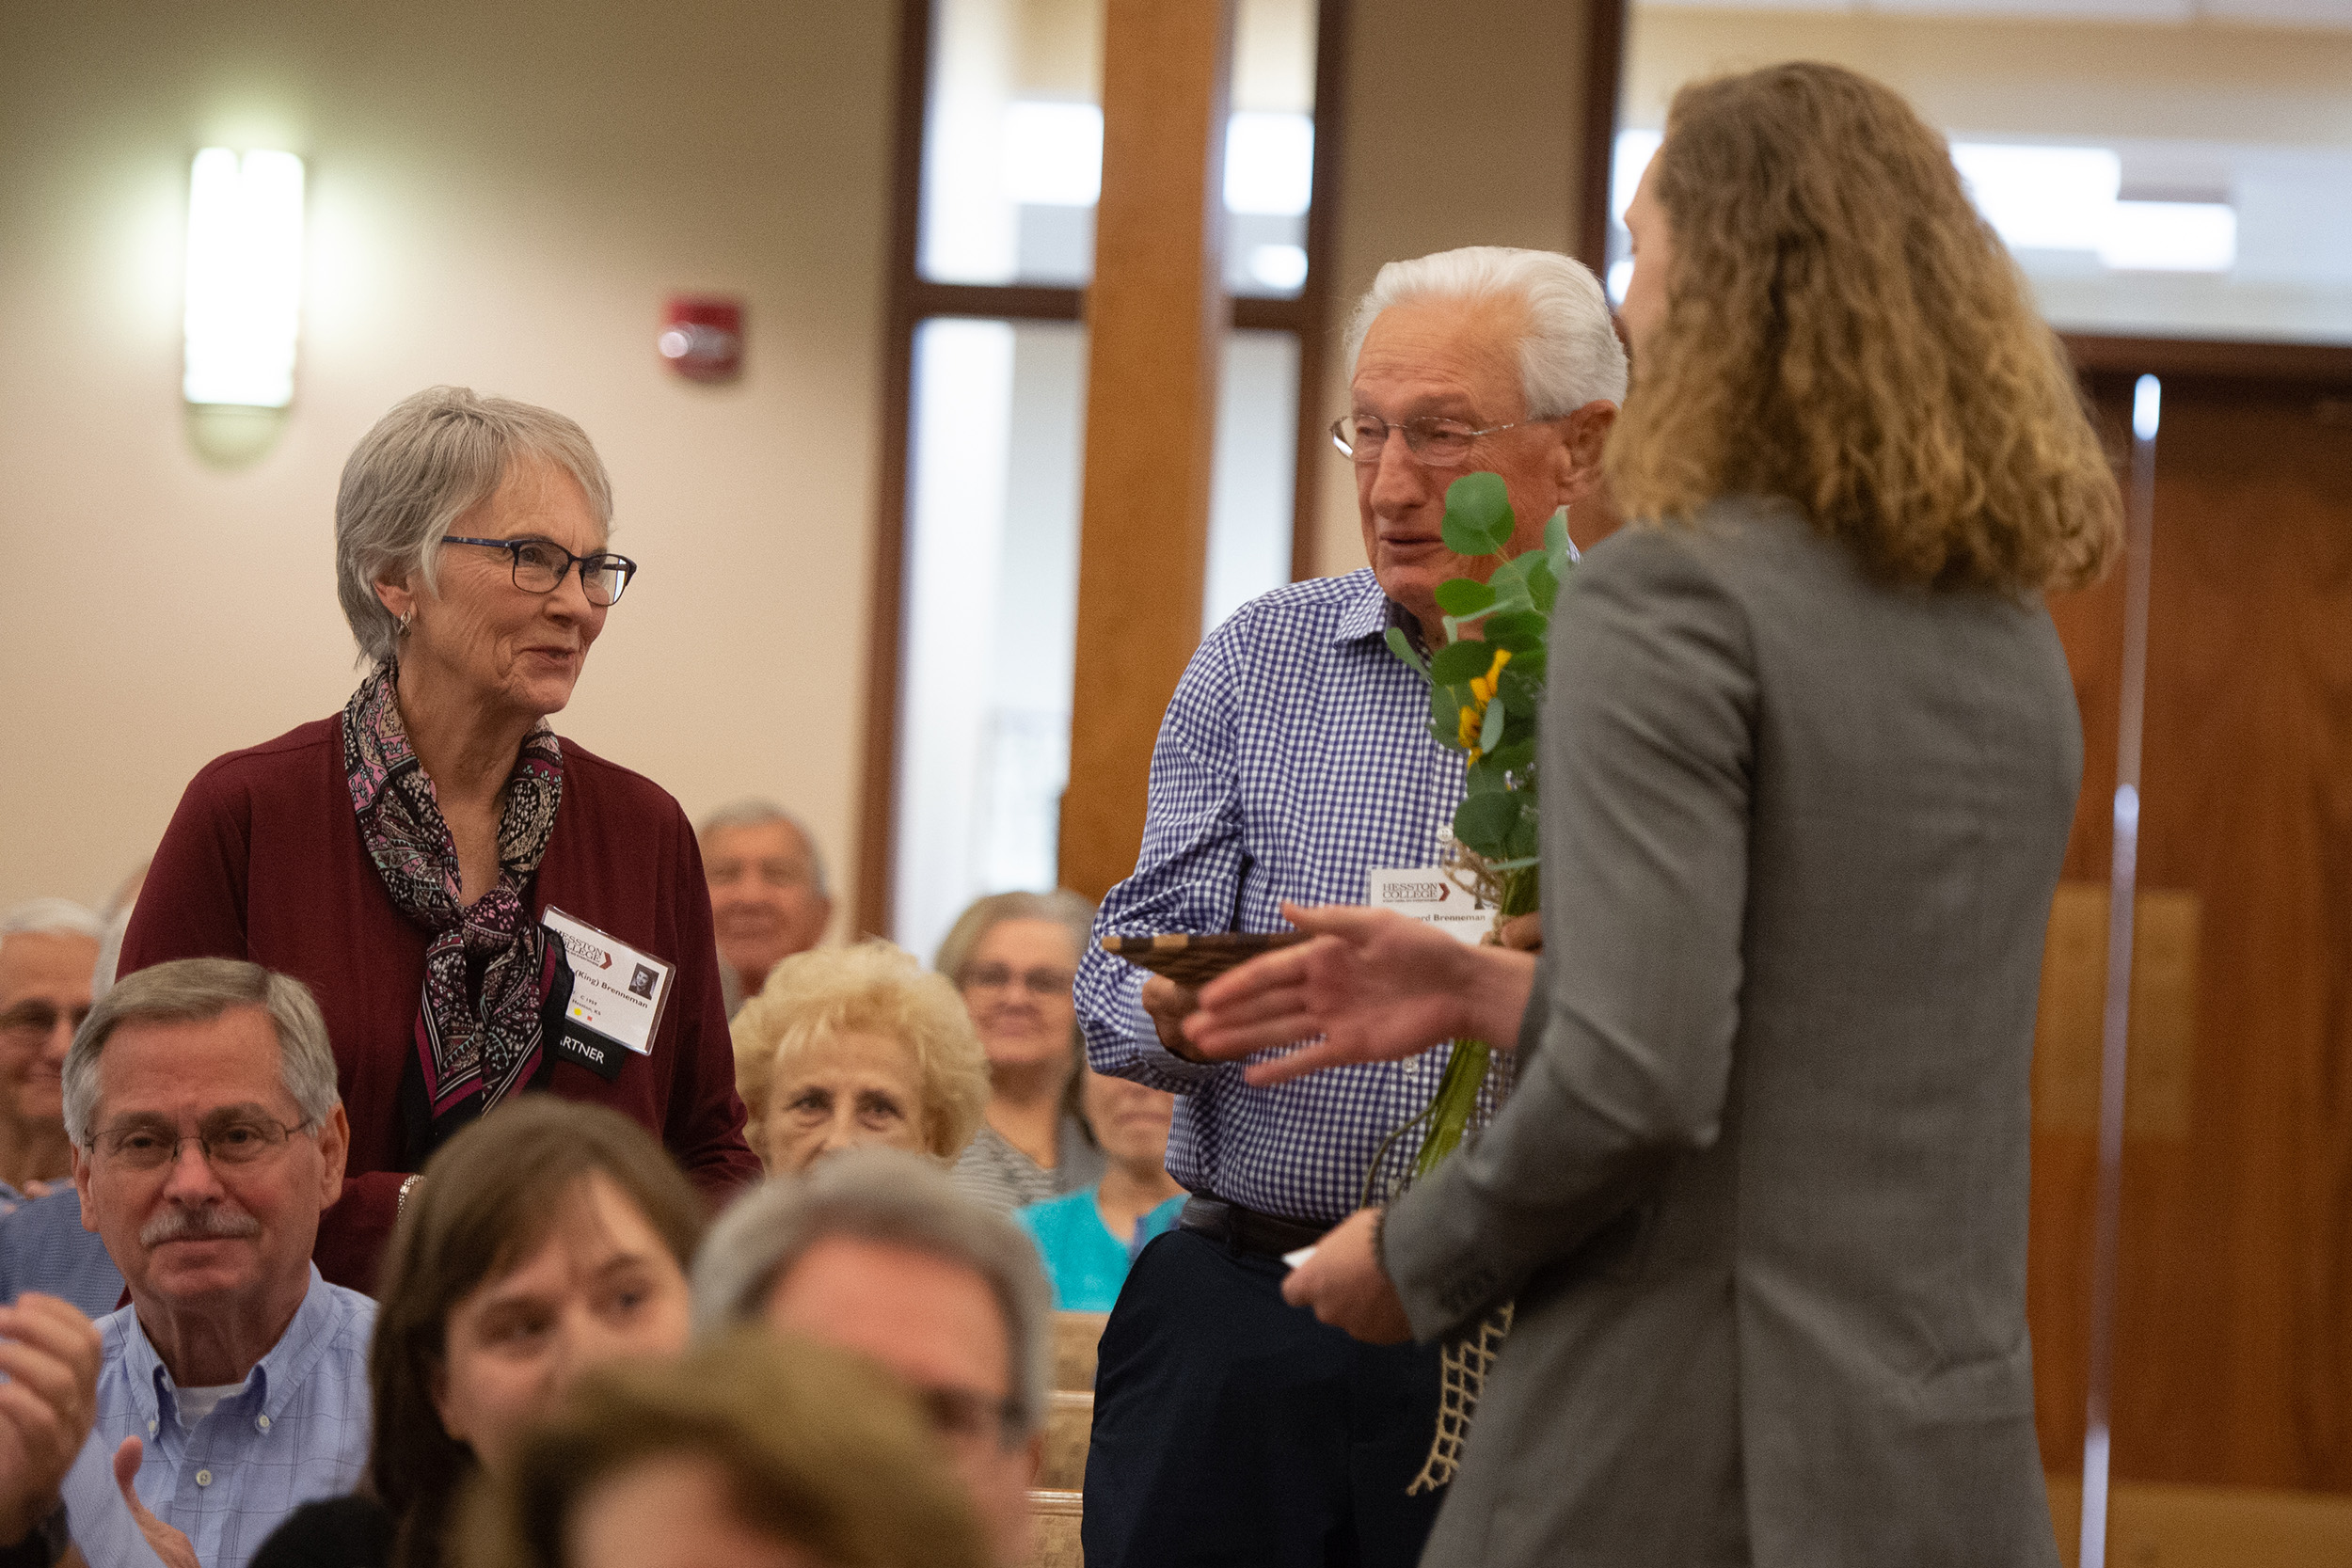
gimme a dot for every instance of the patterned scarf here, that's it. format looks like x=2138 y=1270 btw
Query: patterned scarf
x=489 y=966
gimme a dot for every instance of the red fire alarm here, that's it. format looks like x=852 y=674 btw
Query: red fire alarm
x=702 y=336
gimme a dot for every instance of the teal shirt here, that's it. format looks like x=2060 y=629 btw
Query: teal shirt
x=1086 y=1262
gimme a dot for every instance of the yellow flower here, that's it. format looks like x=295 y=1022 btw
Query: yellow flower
x=1481 y=692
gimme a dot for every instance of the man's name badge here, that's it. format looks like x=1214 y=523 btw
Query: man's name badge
x=1431 y=897
x=617 y=995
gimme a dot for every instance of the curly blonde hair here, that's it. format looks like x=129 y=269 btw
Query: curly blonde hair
x=872 y=987
x=1843 y=329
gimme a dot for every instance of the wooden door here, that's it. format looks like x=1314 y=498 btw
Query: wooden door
x=2234 y=1334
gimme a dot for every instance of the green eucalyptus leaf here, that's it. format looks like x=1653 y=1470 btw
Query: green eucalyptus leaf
x=1480 y=779
x=1556 y=541
x=1514 y=758
x=1445 y=706
x=1478 y=516
x=1517 y=687
x=1483 y=822
x=1543 y=585
x=1490 y=731
x=1528 y=666
x=1509 y=584
x=1519 y=630
x=1401 y=646
x=1465 y=597
x=1459 y=663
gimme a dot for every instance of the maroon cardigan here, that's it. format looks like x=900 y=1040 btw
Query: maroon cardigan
x=262 y=860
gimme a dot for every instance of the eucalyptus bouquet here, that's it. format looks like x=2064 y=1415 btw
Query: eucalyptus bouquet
x=1485 y=691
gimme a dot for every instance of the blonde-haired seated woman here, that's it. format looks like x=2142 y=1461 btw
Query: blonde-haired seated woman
x=750 y=1453
x=857 y=1045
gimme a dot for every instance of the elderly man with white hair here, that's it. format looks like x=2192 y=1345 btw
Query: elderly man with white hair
x=876 y=1252
x=1294 y=761
x=48 y=952
x=208 y=1135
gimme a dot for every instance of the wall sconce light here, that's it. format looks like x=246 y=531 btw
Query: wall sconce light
x=245 y=278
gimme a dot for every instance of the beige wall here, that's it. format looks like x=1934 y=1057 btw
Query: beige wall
x=501 y=194
x=1464 y=130
x=2196 y=81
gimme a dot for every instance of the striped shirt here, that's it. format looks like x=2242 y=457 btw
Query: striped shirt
x=296 y=1431
x=1294 y=760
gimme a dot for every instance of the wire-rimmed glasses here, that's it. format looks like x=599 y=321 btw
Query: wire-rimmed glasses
x=1439 y=443
x=542 y=564
x=226 y=1138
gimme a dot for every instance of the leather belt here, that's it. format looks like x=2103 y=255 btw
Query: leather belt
x=1247 y=1230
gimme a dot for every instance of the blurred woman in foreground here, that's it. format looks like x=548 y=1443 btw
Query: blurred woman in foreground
x=750 y=1453
x=1809 y=760
x=558 y=1239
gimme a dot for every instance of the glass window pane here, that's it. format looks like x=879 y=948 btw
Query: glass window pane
x=991 y=608
x=2156 y=172
x=1014 y=145
x=1256 y=462
x=991 y=586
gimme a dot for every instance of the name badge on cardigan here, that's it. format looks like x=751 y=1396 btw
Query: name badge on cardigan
x=618 y=995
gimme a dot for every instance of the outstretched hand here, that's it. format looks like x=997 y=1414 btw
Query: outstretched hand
x=1376 y=986
x=175 y=1548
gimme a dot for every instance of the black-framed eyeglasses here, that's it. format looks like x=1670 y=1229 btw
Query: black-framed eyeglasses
x=1440 y=443
x=542 y=564
x=226 y=1138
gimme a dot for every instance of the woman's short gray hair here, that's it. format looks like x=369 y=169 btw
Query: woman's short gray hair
x=426 y=463
x=1570 y=355
x=196 y=991
x=1067 y=910
x=894 y=1199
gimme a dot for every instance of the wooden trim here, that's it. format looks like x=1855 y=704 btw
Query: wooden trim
x=877 y=804
x=1314 y=302
x=1604 y=83
x=2205 y=356
x=1035 y=302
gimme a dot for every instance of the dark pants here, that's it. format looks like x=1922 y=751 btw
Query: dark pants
x=1232 y=1428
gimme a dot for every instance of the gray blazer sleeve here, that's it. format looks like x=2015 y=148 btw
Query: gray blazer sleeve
x=1626 y=1045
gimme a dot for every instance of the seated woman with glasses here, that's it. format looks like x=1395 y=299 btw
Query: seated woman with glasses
x=1014 y=956
x=480 y=908
x=846 y=1046
x=554 y=1238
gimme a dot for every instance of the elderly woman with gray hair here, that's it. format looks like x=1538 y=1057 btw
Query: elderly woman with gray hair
x=480 y=908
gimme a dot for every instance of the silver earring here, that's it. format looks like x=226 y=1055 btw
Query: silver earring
x=403 y=630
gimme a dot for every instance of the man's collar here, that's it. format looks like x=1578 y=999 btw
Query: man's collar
x=1369 y=613
x=274 y=1378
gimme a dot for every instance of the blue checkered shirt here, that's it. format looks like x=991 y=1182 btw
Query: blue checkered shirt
x=43 y=1247
x=295 y=1432
x=1294 y=760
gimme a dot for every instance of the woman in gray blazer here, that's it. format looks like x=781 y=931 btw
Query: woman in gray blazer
x=1809 y=760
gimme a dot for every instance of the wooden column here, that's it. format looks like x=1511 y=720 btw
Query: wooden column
x=1156 y=317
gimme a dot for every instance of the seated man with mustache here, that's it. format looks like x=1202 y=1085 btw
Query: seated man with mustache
x=208 y=1135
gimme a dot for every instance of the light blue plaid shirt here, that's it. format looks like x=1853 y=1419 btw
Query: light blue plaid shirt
x=1294 y=760
x=295 y=1432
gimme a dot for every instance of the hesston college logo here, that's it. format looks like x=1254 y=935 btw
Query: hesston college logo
x=588 y=952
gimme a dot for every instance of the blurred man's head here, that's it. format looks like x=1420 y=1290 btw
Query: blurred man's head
x=1480 y=359
x=208 y=1138
x=768 y=894
x=875 y=1251
x=48 y=951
